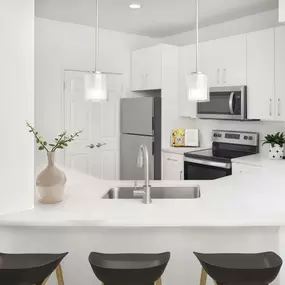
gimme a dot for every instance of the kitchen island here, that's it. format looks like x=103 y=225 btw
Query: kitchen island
x=242 y=213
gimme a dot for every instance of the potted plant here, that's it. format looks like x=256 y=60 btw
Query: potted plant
x=276 y=141
x=51 y=181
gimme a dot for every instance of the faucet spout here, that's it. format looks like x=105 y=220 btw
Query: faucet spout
x=143 y=161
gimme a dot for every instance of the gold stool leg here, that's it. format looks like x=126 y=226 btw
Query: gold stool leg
x=45 y=281
x=203 y=279
x=158 y=282
x=59 y=275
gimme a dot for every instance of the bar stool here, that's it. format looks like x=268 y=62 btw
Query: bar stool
x=129 y=269
x=240 y=268
x=30 y=269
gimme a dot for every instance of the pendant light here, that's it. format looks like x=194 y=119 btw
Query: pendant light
x=197 y=82
x=95 y=83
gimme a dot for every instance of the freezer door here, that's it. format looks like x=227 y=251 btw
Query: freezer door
x=137 y=116
x=129 y=153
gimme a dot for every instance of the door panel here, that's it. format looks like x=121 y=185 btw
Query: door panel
x=136 y=116
x=279 y=73
x=100 y=124
x=260 y=75
x=129 y=153
x=153 y=68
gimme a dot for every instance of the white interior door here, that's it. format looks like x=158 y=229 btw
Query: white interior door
x=96 y=151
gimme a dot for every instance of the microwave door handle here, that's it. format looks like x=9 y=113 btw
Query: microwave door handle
x=231 y=103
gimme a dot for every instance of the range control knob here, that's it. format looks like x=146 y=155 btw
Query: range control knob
x=245 y=137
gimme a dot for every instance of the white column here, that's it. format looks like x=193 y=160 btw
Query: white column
x=16 y=105
x=281 y=10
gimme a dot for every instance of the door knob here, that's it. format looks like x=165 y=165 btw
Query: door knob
x=100 y=144
x=91 y=145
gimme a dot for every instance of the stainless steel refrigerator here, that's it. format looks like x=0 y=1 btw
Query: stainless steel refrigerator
x=140 y=124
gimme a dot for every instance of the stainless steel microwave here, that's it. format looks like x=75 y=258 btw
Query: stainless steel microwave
x=226 y=103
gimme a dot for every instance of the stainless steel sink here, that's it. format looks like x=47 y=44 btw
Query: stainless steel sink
x=155 y=192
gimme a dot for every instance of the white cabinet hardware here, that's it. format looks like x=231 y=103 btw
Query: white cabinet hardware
x=225 y=76
x=171 y=159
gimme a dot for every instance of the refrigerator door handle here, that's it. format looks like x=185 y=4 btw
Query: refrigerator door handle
x=153 y=144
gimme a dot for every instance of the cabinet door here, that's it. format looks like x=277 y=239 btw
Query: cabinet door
x=138 y=69
x=279 y=73
x=153 y=67
x=173 y=165
x=210 y=61
x=233 y=60
x=187 y=64
x=224 y=61
x=260 y=75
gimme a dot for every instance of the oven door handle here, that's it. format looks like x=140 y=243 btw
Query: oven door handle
x=208 y=162
x=231 y=103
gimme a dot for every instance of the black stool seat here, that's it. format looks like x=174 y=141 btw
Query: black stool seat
x=128 y=269
x=27 y=269
x=241 y=268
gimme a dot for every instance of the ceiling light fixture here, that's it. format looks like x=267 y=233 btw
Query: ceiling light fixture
x=95 y=82
x=197 y=82
x=135 y=6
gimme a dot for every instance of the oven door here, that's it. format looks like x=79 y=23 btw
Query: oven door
x=225 y=103
x=199 y=169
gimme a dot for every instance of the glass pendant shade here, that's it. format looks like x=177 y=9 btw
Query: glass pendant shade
x=95 y=85
x=197 y=85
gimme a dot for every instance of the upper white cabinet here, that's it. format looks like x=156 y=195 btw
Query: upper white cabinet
x=260 y=75
x=224 y=61
x=187 y=64
x=147 y=68
x=280 y=73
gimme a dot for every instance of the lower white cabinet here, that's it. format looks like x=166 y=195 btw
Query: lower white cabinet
x=173 y=165
x=238 y=168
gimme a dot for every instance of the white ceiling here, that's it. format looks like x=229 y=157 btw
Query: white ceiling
x=157 y=18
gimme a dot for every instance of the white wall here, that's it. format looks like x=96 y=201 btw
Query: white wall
x=62 y=46
x=17 y=104
x=240 y=26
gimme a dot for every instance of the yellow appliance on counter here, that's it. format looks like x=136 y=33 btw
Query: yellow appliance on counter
x=185 y=137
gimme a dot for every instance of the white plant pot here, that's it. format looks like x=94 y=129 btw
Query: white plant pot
x=276 y=152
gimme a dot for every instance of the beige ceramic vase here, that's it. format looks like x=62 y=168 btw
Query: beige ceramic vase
x=51 y=183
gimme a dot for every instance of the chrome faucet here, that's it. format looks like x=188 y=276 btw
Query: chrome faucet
x=143 y=161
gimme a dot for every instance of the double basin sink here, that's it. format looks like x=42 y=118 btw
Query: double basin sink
x=155 y=192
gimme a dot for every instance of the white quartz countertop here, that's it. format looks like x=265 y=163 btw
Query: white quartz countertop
x=182 y=150
x=235 y=201
x=259 y=160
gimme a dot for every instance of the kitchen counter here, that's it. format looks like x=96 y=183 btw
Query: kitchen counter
x=234 y=201
x=259 y=160
x=182 y=150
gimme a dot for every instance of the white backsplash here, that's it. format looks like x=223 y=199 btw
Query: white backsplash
x=261 y=127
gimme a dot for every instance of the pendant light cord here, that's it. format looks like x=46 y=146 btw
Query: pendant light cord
x=97 y=36
x=197 y=34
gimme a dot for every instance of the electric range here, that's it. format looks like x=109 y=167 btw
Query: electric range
x=216 y=162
